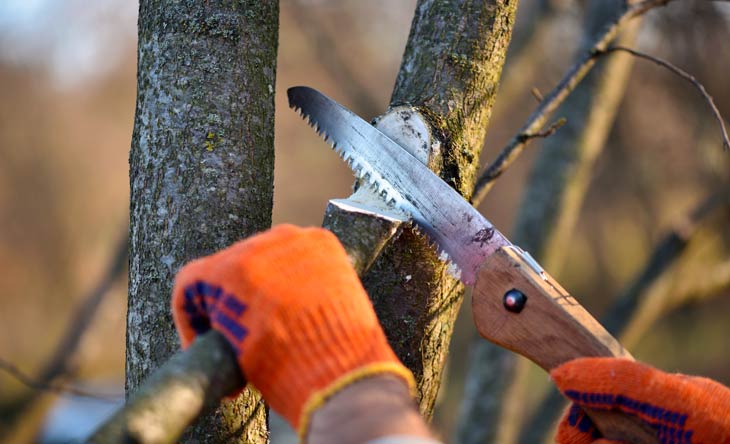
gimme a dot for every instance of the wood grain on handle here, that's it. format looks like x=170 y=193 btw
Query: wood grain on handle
x=551 y=329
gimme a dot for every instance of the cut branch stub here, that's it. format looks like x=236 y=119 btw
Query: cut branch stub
x=362 y=227
x=363 y=222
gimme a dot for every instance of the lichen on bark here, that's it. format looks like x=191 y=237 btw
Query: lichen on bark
x=201 y=166
x=450 y=72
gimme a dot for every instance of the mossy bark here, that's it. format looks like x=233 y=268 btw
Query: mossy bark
x=201 y=168
x=450 y=71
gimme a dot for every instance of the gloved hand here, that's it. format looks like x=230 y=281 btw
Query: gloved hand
x=683 y=409
x=295 y=312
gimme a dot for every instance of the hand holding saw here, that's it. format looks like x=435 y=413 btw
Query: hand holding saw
x=515 y=303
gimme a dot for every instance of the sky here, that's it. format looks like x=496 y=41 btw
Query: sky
x=77 y=39
x=74 y=39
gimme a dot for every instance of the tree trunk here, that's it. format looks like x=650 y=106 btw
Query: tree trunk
x=449 y=73
x=201 y=168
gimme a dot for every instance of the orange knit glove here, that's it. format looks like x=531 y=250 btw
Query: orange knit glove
x=683 y=409
x=293 y=308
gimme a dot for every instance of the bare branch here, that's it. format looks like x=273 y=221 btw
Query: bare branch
x=556 y=97
x=626 y=307
x=548 y=132
x=29 y=382
x=666 y=253
x=81 y=320
x=537 y=94
x=59 y=364
x=683 y=74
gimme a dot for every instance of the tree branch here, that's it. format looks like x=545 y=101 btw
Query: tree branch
x=547 y=133
x=449 y=75
x=571 y=79
x=36 y=385
x=685 y=75
x=190 y=384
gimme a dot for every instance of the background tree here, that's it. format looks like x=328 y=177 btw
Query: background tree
x=201 y=169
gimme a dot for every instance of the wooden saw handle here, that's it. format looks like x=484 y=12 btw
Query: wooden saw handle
x=548 y=326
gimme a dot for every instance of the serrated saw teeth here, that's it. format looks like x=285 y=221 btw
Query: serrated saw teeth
x=358 y=170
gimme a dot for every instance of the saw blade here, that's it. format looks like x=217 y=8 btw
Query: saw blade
x=457 y=228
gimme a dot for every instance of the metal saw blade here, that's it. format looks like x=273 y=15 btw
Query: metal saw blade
x=451 y=222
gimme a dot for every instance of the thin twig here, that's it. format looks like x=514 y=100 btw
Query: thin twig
x=557 y=96
x=84 y=314
x=683 y=74
x=548 y=132
x=29 y=382
x=59 y=363
x=537 y=94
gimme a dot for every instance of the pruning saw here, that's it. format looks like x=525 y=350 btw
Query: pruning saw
x=515 y=303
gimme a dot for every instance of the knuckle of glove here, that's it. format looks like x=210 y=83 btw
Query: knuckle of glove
x=279 y=271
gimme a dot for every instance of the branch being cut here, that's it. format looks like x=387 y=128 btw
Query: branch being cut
x=190 y=384
x=556 y=97
x=685 y=75
x=449 y=74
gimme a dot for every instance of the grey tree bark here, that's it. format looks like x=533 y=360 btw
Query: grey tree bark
x=201 y=168
x=548 y=213
x=449 y=73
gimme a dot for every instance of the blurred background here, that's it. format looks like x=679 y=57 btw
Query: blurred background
x=67 y=97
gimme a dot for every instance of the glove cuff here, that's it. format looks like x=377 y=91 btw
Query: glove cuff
x=318 y=398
